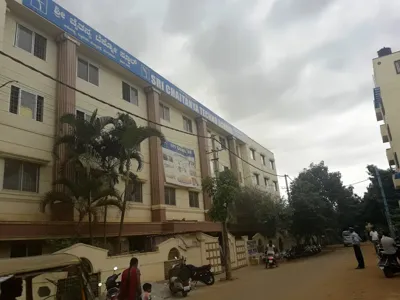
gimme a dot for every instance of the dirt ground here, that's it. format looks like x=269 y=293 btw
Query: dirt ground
x=330 y=276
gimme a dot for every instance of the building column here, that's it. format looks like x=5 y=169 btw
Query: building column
x=232 y=157
x=157 y=177
x=204 y=161
x=66 y=103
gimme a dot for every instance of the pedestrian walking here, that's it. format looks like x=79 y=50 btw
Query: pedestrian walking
x=374 y=238
x=356 y=240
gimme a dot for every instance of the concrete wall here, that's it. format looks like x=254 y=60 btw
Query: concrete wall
x=151 y=265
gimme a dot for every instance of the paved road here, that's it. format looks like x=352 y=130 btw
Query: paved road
x=329 y=276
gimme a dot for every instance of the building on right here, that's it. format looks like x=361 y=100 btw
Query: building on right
x=387 y=105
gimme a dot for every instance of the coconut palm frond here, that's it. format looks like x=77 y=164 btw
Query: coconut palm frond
x=55 y=197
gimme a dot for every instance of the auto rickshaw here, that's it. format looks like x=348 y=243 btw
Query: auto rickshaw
x=27 y=268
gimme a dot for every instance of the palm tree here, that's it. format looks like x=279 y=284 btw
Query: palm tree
x=86 y=196
x=126 y=138
x=82 y=144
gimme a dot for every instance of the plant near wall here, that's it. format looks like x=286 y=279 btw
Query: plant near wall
x=124 y=141
x=224 y=190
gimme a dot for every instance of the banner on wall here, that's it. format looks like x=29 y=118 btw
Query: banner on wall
x=179 y=165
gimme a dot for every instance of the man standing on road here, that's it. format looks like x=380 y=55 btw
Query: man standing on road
x=356 y=240
x=374 y=238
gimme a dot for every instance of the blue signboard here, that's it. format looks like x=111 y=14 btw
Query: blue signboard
x=377 y=97
x=66 y=21
x=178 y=149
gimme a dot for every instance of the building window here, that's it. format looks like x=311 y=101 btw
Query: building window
x=21 y=176
x=253 y=154
x=266 y=181
x=81 y=115
x=88 y=72
x=240 y=177
x=170 y=198
x=276 y=186
x=397 y=66
x=222 y=141
x=26 y=104
x=272 y=164
x=164 y=112
x=130 y=94
x=256 y=179
x=24 y=249
x=31 y=42
x=187 y=124
x=263 y=159
x=193 y=199
x=134 y=192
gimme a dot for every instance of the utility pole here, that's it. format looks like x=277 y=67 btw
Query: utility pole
x=387 y=213
x=287 y=187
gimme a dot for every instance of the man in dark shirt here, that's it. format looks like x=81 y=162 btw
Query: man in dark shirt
x=131 y=288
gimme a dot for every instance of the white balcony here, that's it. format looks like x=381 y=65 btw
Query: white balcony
x=390 y=157
x=384 y=133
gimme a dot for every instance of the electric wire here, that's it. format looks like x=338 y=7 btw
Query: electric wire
x=128 y=112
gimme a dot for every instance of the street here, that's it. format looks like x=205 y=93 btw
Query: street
x=329 y=276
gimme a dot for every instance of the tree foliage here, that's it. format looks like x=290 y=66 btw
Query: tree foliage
x=261 y=209
x=100 y=151
x=321 y=204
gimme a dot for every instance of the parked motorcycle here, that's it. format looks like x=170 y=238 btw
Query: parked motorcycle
x=270 y=261
x=112 y=286
x=202 y=274
x=388 y=263
x=179 y=278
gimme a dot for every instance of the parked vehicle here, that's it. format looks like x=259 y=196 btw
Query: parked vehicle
x=388 y=263
x=346 y=235
x=202 y=274
x=270 y=261
x=112 y=286
x=179 y=278
x=28 y=268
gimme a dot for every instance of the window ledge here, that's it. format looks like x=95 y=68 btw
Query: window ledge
x=20 y=193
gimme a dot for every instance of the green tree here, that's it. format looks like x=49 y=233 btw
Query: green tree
x=124 y=142
x=82 y=144
x=261 y=209
x=321 y=204
x=223 y=189
x=373 y=208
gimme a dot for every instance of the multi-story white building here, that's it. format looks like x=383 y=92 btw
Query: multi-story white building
x=42 y=34
x=387 y=106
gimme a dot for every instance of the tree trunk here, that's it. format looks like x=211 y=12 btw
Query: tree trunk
x=105 y=227
x=90 y=228
x=227 y=256
x=121 y=223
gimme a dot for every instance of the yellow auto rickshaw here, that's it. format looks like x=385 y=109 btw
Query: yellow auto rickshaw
x=14 y=270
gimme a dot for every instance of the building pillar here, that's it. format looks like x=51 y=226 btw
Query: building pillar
x=157 y=177
x=65 y=104
x=204 y=161
x=232 y=157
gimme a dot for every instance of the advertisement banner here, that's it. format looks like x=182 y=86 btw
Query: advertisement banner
x=179 y=165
